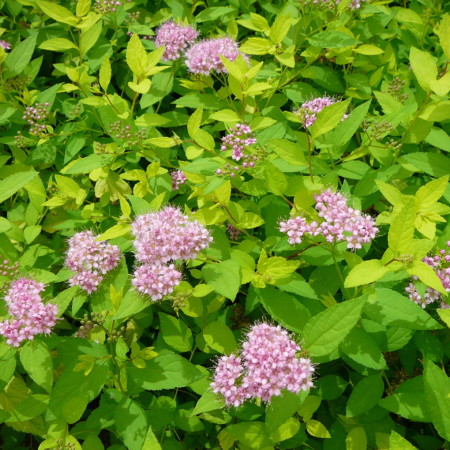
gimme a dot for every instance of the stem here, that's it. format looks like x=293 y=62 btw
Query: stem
x=308 y=138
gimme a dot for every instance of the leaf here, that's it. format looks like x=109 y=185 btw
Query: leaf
x=323 y=333
x=397 y=442
x=434 y=164
x=388 y=307
x=256 y=46
x=281 y=408
x=430 y=193
x=175 y=333
x=284 y=308
x=89 y=37
x=427 y=275
x=437 y=393
x=329 y=118
x=276 y=180
x=362 y=348
x=225 y=115
x=20 y=56
x=332 y=39
x=317 y=429
x=136 y=56
x=444 y=34
x=219 y=337
x=356 y=439
x=280 y=28
x=209 y=401
x=83 y=7
x=365 y=396
x=115 y=231
x=57 y=12
x=401 y=231
x=194 y=122
x=224 y=277
x=253 y=435
x=131 y=304
x=390 y=193
x=424 y=67
x=365 y=273
x=36 y=360
x=168 y=371
x=85 y=165
x=13 y=183
x=57 y=45
x=289 y=151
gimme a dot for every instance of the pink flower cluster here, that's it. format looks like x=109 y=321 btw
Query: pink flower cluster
x=176 y=38
x=233 y=232
x=29 y=315
x=309 y=110
x=440 y=263
x=237 y=140
x=267 y=364
x=90 y=259
x=5 y=45
x=164 y=236
x=204 y=56
x=340 y=223
x=178 y=178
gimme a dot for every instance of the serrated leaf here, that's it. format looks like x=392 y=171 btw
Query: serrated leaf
x=365 y=273
x=365 y=396
x=424 y=67
x=136 y=56
x=401 y=231
x=175 y=333
x=329 y=118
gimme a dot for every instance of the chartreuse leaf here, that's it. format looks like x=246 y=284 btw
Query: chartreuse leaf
x=209 y=401
x=323 y=333
x=288 y=151
x=175 y=333
x=397 y=442
x=390 y=193
x=136 y=56
x=365 y=396
x=20 y=56
x=427 y=275
x=430 y=193
x=443 y=32
x=286 y=430
x=105 y=73
x=13 y=183
x=388 y=307
x=329 y=118
x=437 y=393
x=317 y=429
x=424 y=67
x=83 y=7
x=356 y=439
x=365 y=273
x=281 y=408
x=37 y=361
x=280 y=28
x=401 y=231
x=219 y=337
x=57 y=12
x=57 y=45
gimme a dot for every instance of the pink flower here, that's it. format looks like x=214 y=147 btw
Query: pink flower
x=178 y=178
x=238 y=139
x=91 y=260
x=168 y=235
x=204 y=56
x=309 y=110
x=267 y=364
x=176 y=38
x=5 y=45
x=156 y=280
x=29 y=315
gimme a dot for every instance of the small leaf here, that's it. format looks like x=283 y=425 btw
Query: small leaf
x=317 y=429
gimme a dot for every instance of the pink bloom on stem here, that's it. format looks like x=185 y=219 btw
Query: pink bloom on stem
x=176 y=38
x=178 y=178
x=29 y=315
x=204 y=56
x=91 y=260
x=237 y=140
x=309 y=110
x=5 y=45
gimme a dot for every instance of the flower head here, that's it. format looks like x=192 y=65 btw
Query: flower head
x=309 y=110
x=267 y=364
x=204 y=56
x=29 y=315
x=176 y=38
x=91 y=260
x=5 y=45
x=178 y=178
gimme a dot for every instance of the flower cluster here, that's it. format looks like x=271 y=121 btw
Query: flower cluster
x=178 y=178
x=440 y=263
x=107 y=6
x=176 y=38
x=233 y=232
x=309 y=110
x=125 y=133
x=90 y=259
x=5 y=45
x=204 y=56
x=8 y=270
x=29 y=315
x=35 y=116
x=237 y=140
x=161 y=237
x=340 y=223
x=267 y=364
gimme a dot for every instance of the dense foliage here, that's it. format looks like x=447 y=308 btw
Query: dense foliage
x=223 y=224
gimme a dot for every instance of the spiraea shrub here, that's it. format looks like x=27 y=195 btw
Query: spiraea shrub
x=223 y=225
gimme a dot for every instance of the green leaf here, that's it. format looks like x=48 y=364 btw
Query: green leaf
x=131 y=304
x=356 y=439
x=83 y=7
x=89 y=37
x=253 y=435
x=444 y=34
x=280 y=28
x=256 y=46
x=348 y=127
x=209 y=401
x=13 y=183
x=57 y=12
x=105 y=73
x=219 y=337
x=401 y=231
x=168 y=371
x=362 y=348
x=194 y=122
x=57 y=45
x=85 y=165
x=427 y=275
x=284 y=308
x=224 y=277
x=424 y=67
x=397 y=442
x=289 y=151
x=20 y=56
x=366 y=395
x=391 y=308
x=281 y=408
x=175 y=333
x=317 y=429
x=276 y=180
x=225 y=115
x=332 y=39
x=37 y=361
x=434 y=164
x=136 y=56
x=365 y=273
x=329 y=118
x=437 y=391
x=430 y=193
x=323 y=333
x=330 y=387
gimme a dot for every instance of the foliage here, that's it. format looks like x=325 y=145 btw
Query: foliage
x=94 y=121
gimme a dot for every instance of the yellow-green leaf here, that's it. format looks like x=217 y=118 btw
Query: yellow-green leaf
x=136 y=56
x=317 y=429
x=105 y=73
